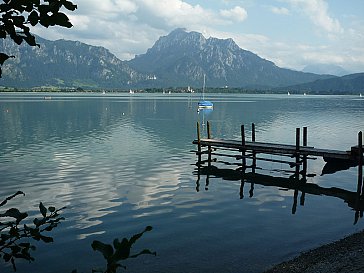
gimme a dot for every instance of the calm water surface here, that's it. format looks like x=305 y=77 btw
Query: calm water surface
x=120 y=162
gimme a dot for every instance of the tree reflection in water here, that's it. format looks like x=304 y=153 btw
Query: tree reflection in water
x=16 y=237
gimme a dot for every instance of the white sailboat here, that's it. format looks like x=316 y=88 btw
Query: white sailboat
x=204 y=104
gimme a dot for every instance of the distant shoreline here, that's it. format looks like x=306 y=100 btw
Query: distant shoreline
x=168 y=91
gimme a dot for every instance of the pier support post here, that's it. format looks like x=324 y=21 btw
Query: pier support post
x=198 y=143
x=297 y=171
x=304 y=166
x=304 y=157
x=243 y=159
x=294 y=206
x=360 y=163
x=358 y=212
x=253 y=132
x=304 y=136
x=298 y=132
x=254 y=165
x=209 y=147
x=208 y=130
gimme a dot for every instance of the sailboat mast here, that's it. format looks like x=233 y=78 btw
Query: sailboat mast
x=203 y=87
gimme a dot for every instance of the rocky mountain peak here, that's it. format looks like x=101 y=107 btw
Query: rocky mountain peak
x=177 y=39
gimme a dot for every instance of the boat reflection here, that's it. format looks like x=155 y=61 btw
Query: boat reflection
x=204 y=112
x=355 y=200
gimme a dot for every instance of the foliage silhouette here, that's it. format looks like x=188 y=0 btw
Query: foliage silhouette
x=15 y=236
x=17 y=15
x=120 y=250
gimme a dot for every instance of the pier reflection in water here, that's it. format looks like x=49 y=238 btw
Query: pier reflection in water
x=354 y=200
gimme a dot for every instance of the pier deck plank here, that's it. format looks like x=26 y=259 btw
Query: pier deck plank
x=274 y=148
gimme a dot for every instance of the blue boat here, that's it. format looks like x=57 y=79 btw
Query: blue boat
x=204 y=104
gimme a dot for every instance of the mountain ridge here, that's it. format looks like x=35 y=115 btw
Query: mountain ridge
x=222 y=61
x=178 y=59
x=348 y=84
x=64 y=63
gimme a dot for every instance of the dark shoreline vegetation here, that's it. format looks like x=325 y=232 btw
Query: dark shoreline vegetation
x=18 y=234
x=175 y=90
x=344 y=256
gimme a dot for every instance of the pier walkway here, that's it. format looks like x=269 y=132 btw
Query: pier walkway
x=273 y=148
x=353 y=156
x=296 y=156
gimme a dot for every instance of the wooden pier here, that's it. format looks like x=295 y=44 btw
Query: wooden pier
x=295 y=156
x=251 y=149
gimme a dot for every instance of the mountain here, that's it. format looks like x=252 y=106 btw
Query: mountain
x=181 y=58
x=349 y=84
x=64 y=63
x=328 y=69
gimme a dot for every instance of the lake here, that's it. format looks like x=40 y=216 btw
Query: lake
x=120 y=162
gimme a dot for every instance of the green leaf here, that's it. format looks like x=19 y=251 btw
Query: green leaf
x=17 y=39
x=2 y=34
x=38 y=222
x=137 y=236
x=143 y=252
x=33 y=18
x=42 y=209
x=69 y=5
x=61 y=19
x=18 y=20
x=49 y=228
x=15 y=249
x=13 y=263
x=4 y=237
x=45 y=20
x=122 y=249
x=43 y=9
x=106 y=250
x=52 y=209
x=46 y=239
x=14 y=232
x=30 y=39
x=15 y=213
x=7 y=257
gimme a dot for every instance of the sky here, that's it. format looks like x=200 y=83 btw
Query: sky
x=291 y=33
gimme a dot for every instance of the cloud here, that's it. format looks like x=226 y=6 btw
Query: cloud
x=129 y=27
x=281 y=11
x=237 y=13
x=317 y=11
x=172 y=12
